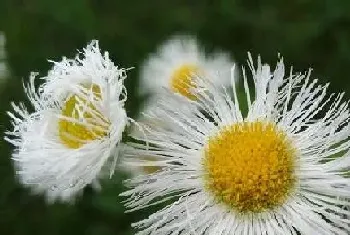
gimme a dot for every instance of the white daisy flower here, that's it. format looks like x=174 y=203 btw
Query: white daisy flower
x=279 y=170
x=76 y=126
x=173 y=65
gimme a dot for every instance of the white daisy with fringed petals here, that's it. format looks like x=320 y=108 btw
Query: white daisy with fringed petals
x=175 y=63
x=281 y=169
x=75 y=128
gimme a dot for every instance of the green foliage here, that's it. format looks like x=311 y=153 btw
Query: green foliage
x=307 y=33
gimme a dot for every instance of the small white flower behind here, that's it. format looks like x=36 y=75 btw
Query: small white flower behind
x=76 y=127
x=175 y=63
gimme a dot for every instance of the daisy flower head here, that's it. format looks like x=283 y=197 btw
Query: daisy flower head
x=176 y=62
x=279 y=169
x=75 y=128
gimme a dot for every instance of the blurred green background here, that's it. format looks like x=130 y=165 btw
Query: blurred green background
x=307 y=33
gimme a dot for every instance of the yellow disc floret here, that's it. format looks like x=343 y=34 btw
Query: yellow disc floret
x=181 y=80
x=87 y=126
x=250 y=166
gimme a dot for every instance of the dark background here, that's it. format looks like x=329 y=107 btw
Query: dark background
x=307 y=33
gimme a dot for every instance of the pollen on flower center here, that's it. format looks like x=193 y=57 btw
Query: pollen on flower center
x=73 y=132
x=250 y=166
x=181 y=81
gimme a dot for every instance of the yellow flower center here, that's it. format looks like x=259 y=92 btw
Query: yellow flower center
x=74 y=133
x=250 y=166
x=181 y=80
